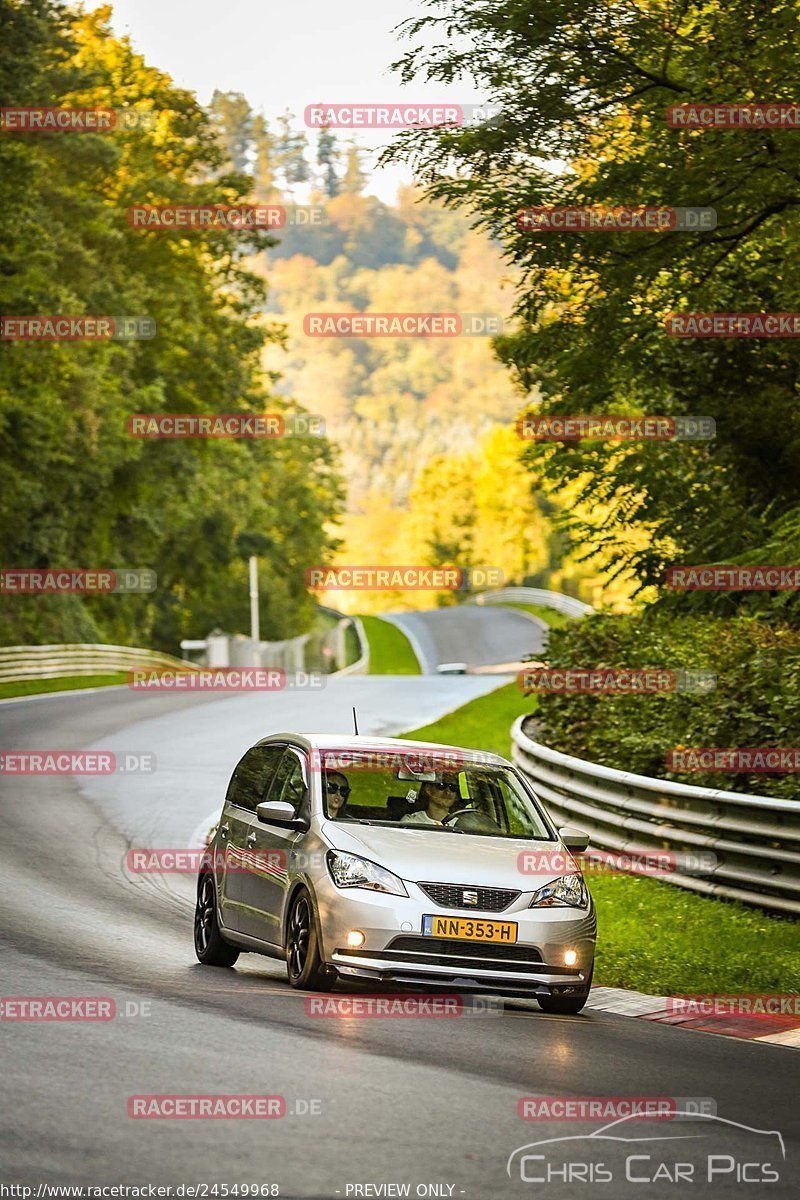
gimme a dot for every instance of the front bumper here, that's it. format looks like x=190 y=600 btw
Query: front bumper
x=395 y=951
x=386 y=969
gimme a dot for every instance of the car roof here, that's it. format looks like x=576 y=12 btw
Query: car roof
x=339 y=741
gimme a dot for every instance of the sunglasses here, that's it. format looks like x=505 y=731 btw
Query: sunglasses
x=337 y=789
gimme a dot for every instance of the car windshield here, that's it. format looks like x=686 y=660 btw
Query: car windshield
x=448 y=792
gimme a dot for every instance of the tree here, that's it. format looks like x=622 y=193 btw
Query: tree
x=263 y=170
x=233 y=119
x=79 y=491
x=586 y=87
x=480 y=509
x=290 y=148
x=327 y=158
x=354 y=179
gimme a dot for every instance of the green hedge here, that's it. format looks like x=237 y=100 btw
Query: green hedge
x=756 y=701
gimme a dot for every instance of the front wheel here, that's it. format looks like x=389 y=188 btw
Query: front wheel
x=303 y=962
x=209 y=945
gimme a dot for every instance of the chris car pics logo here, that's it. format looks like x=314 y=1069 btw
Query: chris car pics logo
x=704 y=1149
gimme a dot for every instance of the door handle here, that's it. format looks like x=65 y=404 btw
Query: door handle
x=251 y=837
x=225 y=829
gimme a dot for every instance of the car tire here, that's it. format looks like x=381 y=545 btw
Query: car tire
x=209 y=945
x=304 y=965
x=565 y=1006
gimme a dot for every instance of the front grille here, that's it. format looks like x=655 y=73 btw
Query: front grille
x=443 y=952
x=451 y=895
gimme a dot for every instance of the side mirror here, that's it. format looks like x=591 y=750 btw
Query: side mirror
x=276 y=812
x=574 y=839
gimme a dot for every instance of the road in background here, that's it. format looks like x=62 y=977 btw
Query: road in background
x=476 y=636
x=196 y=748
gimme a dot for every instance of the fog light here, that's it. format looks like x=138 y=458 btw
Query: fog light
x=355 y=938
x=570 y=957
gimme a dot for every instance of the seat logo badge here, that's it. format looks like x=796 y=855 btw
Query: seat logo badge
x=469 y=897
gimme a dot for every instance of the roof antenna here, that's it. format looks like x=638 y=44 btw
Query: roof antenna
x=355 y=721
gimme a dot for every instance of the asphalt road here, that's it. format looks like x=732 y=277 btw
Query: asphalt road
x=408 y=1102
x=470 y=634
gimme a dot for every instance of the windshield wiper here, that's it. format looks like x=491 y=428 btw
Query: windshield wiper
x=427 y=828
x=395 y=824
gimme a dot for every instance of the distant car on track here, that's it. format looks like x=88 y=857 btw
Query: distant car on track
x=356 y=858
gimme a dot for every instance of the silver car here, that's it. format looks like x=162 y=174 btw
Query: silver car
x=356 y=858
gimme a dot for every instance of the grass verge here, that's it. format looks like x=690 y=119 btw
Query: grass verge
x=390 y=651
x=482 y=724
x=66 y=683
x=653 y=936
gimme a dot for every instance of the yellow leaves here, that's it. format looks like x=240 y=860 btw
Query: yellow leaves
x=347 y=210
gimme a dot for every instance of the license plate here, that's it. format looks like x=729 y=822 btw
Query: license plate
x=469 y=930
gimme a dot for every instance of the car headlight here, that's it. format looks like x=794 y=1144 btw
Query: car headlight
x=348 y=870
x=568 y=890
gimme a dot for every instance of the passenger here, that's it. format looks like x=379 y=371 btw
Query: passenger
x=439 y=799
x=337 y=789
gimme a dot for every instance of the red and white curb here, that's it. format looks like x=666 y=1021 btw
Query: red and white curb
x=780 y=1030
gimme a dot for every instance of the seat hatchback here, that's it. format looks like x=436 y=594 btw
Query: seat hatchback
x=396 y=862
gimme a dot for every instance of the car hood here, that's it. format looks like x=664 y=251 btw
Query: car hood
x=433 y=857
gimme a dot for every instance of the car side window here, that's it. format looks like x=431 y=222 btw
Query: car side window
x=253 y=773
x=288 y=784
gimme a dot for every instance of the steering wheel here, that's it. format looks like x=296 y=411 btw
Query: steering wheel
x=458 y=813
x=479 y=822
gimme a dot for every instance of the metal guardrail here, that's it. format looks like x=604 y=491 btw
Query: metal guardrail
x=754 y=841
x=338 y=639
x=236 y=650
x=541 y=596
x=361 y=665
x=18 y=663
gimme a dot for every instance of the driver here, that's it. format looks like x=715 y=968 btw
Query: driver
x=439 y=799
x=337 y=789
